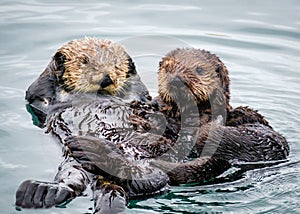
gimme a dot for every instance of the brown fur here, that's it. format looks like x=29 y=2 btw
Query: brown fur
x=245 y=115
x=247 y=136
x=203 y=73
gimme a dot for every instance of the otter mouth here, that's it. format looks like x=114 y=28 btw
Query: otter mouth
x=38 y=116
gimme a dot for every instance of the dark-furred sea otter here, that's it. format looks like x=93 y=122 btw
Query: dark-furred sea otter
x=245 y=135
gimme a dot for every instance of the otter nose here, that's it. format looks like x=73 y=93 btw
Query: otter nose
x=106 y=81
x=177 y=82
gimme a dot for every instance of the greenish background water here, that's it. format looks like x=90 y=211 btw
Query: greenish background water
x=258 y=40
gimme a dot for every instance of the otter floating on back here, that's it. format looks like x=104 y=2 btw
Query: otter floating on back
x=90 y=95
x=91 y=98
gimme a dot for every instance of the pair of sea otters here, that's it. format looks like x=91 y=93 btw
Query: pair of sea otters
x=123 y=143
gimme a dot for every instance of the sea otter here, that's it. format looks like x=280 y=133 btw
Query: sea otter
x=90 y=92
x=245 y=135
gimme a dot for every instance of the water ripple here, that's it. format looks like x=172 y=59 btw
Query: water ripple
x=258 y=41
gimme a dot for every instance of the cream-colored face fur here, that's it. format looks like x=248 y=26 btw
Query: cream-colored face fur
x=201 y=72
x=89 y=60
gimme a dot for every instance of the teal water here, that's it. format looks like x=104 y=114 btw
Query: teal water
x=259 y=41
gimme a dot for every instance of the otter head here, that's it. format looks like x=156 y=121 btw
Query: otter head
x=81 y=66
x=198 y=71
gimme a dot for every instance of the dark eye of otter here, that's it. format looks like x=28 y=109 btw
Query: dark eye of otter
x=199 y=70
x=59 y=63
x=60 y=60
x=160 y=63
x=219 y=69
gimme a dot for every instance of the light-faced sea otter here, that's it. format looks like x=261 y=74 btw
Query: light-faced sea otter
x=91 y=94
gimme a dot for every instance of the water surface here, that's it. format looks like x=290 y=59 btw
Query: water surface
x=259 y=41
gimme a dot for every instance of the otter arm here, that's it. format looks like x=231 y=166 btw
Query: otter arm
x=245 y=115
x=103 y=158
x=200 y=170
x=248 y=143
x=218 y=146
x=70 y=181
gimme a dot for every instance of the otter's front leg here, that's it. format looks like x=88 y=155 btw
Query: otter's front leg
x=70 y=181
x=200 y=170
x=101 y=157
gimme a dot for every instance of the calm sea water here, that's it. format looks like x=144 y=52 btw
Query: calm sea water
x=259 y=41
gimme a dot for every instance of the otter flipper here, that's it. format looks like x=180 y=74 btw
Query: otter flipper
x=248 y=142
x=70 y=181
x=38 y=194
x=101 y=157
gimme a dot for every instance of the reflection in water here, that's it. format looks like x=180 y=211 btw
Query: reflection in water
x=258 y=41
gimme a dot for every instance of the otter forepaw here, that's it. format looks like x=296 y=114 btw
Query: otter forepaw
x=96 y=155
x=38 y=194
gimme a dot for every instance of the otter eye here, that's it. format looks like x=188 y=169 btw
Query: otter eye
x=59 y=60
x=199 y=70
x=160 y=63
x=219 y=69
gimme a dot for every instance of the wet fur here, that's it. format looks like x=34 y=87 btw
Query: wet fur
x=200 y=71
x=245 y=134
x=72 y=75
x=76 y=73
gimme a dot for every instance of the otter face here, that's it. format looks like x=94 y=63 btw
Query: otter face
x=93 y=65
x=197 y=70
x=81 y=66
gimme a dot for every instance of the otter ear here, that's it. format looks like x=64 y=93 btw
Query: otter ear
x=59 y=60
x=160 y=63
x=131 y=66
